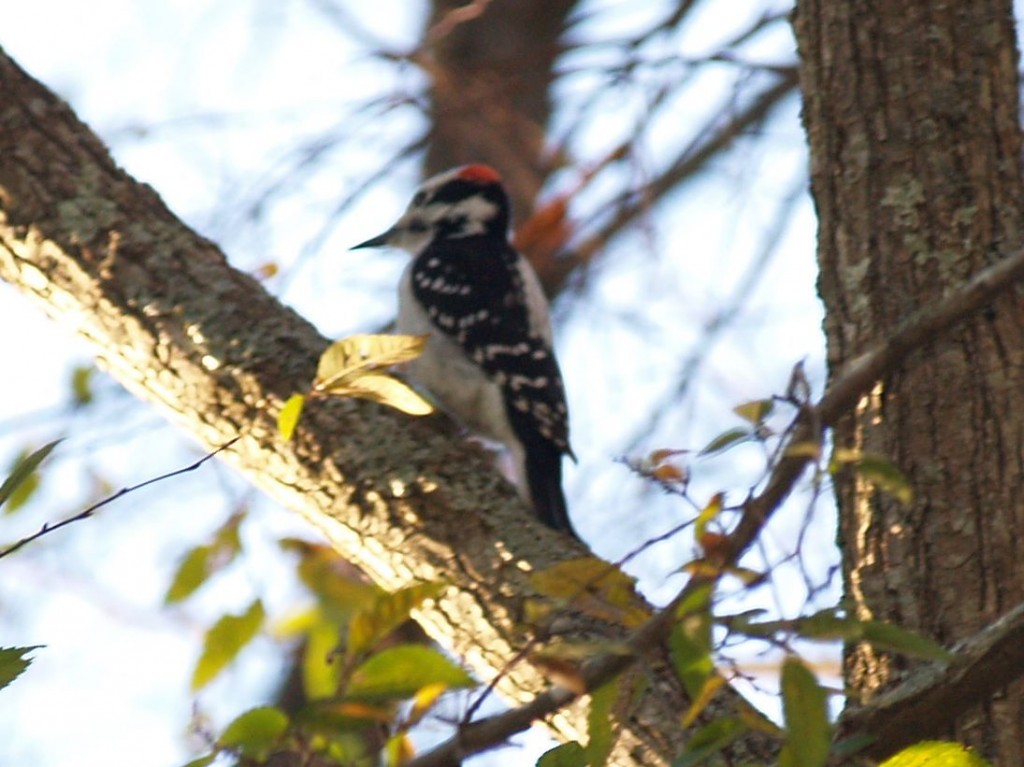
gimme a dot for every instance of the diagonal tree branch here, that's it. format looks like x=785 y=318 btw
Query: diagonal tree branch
x=924 y=705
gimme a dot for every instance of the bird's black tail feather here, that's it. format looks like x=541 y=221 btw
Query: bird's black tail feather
x=544 y=478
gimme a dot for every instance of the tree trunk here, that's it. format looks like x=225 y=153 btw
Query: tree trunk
x=912 y=113
x=491 y=88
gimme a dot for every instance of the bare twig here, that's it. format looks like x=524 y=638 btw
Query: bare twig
x=720 y=321
x=687 y=166
x=454 y=17
x=86 y=513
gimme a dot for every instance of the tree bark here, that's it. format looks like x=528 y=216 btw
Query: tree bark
x=211 y=350
x=913 y=119
x=490 y=96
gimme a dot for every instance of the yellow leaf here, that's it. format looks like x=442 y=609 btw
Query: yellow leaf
x=424 y=700
x=267 y=270
x=349 y=357
x=755 y=411
x=933 y=753
x=708 y=513
x=386 y=390
x=843 y=455
x=702 y=568
x=810 y=450
x=711 y=686
x=399 y=749
x=289 y=416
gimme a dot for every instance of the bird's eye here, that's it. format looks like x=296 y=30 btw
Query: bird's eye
x=417 y=226
x=419 y=198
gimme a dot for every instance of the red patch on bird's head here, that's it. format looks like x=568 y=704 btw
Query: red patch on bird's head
x=479 y=173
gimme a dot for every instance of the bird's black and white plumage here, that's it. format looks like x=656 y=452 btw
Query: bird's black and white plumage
x=489 y=359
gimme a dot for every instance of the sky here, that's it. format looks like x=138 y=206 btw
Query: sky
x=215 y=104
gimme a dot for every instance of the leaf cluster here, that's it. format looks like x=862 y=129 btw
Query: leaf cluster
x=359 y=672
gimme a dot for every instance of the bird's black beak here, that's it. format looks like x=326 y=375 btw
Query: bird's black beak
x=375 y=242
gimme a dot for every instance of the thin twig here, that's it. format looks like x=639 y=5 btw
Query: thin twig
x=86 y=513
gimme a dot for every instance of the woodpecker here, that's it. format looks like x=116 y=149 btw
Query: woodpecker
x=489 y=359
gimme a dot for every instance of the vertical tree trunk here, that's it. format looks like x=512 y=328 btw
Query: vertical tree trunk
x=912 y=114
x=491 y=88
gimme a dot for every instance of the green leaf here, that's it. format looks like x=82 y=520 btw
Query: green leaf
x=689 y=647
x=13 y=662
x=875 y=469
x=203 y=561
x=289 y=416
x=845 y=748
x=725 y=440
x=886 y=636
x=203 y=761
x=190 y=575
x=320 y=676
x=883 y=474
x=332 y=581
x=709 y=740
x=387 y=613
x=827 y=625
x=224 y=640
x=399 y=672
x=81 y=385
x=569 y=754
x=23 y=480
x=933 y=753
x=599 y=723
x=805 y=709
x=755 y=411
x=256 y=732
x=594 y=587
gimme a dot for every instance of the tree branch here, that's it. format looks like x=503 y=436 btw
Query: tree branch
x=927 y=703
x=859 y=375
